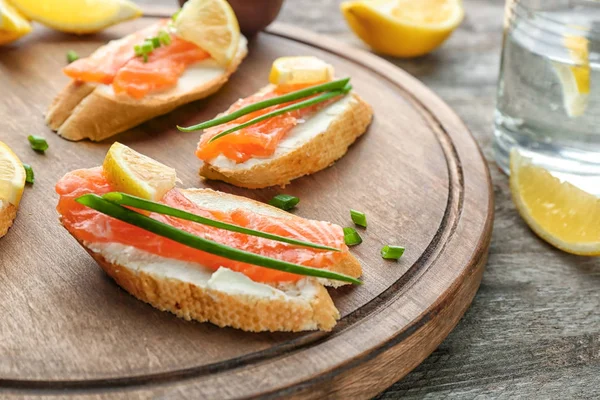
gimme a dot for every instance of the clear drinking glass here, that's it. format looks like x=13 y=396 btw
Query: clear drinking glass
x=548 y=99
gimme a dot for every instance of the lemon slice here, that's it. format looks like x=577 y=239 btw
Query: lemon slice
x=560 y=213
x=12 y=24
x=12 y=176
x=575 y=79
x=300 y=71
x=212 y=25
x=403 y=28
x=136 y=174
x=77 y=16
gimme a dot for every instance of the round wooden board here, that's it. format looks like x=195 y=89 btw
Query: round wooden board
x=417 y=173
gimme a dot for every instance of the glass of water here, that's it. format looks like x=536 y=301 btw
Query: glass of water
x=548 y=100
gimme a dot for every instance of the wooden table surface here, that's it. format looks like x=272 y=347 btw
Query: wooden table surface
x=533 y=330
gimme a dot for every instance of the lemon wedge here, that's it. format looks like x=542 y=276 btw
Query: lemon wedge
x=212 y=25
x=575 y=79
x=300 y=71
x=136 y=174
x=12 y=24
x=12 y=176
x=77 y=16
x=562 y=214
x=403 y=28
x=12 y=183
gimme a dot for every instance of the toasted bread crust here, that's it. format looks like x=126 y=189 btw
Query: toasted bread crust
x=65 y=102
x=82 y=111
x=248 y=313
x=8 y=213
x=316 y=154
x=348 y=265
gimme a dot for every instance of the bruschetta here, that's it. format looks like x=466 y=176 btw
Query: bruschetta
x=147 y=73
x=197 y=285
x=287 y=146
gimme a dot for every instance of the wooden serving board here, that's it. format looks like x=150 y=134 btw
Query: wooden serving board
x=68 y=330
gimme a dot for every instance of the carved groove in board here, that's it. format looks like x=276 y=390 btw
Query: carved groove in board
x=428 y=258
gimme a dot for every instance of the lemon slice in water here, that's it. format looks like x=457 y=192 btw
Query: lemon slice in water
x=575 y=79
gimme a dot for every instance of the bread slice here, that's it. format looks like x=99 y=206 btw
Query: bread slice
x=309 y=147
x=93 y=111
x=8 y=213
x=224 y=297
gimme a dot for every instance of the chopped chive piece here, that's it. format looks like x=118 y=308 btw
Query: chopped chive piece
x=284 y=201
x=147 y=47
x=155 y=42
x=286 y=98
x=144 y=49
x=392 y=252
x=159 y=228
x=152 y=43
x=171 y=23
x=143 y=204
x=358 y=218
x=296 y=106
x=351 y=237
x=29 y=176
x=38 y=143
x=164 y=37
x=72 y=56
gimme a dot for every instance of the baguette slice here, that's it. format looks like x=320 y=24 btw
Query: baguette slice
x=8 y=213
x=224 y=297
x=309 y=147
x=93 y=111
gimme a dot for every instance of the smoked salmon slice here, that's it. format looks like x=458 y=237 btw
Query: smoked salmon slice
x=91 y=226
x=257 y=140
x=102 y=66
x=164 y=67
x=116 y=63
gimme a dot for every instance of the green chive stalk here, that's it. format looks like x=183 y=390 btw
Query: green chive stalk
x=339 y=84
x=159 y=228
x=143 y=204
x=296 y=106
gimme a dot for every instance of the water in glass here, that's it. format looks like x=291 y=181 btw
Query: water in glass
x=548 y=101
